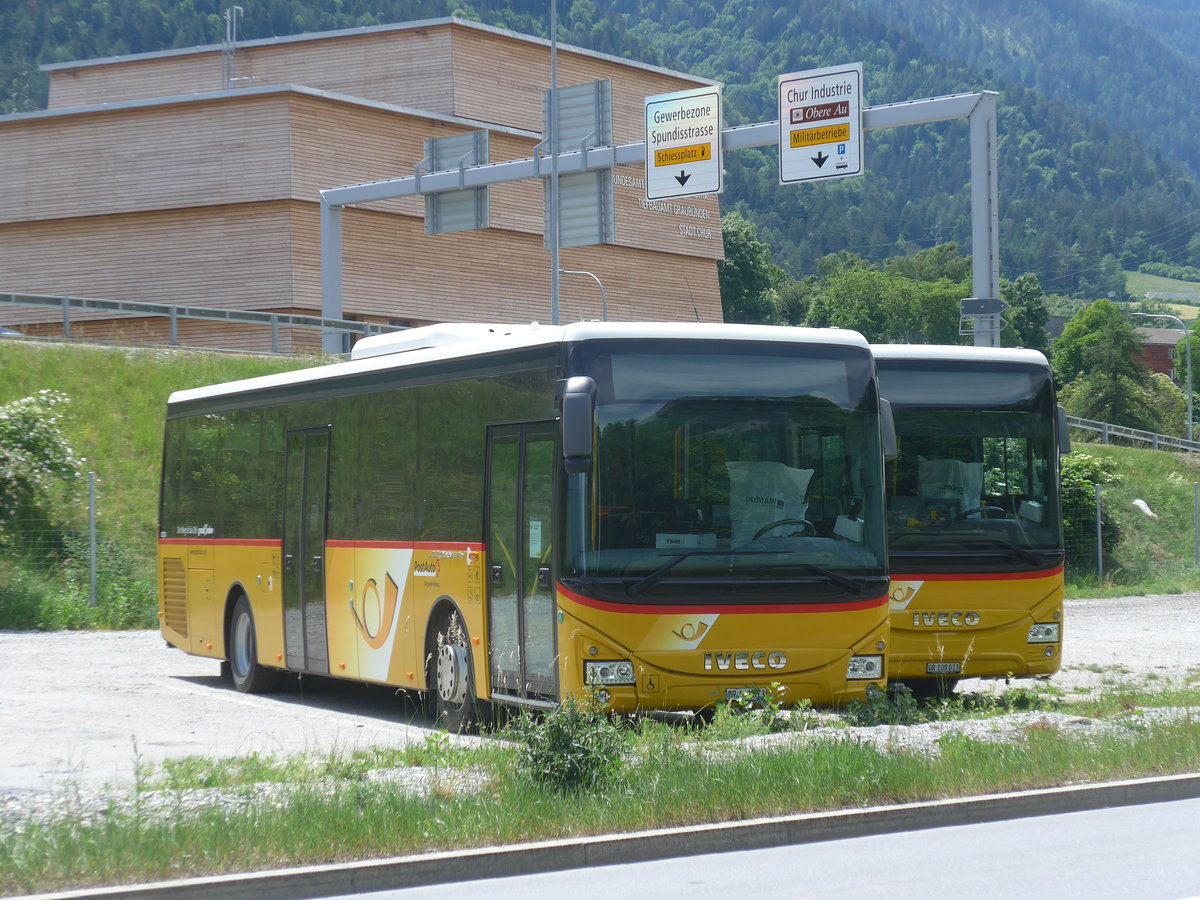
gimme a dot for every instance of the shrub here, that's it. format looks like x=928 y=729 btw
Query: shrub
x=897 y=707
x=1081 y=472
x=34 y=457
x=573 y=747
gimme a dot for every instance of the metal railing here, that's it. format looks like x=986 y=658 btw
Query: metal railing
x=1156 y=441
x=175 y=312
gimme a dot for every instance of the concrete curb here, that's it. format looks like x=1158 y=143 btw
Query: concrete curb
x=553 y=856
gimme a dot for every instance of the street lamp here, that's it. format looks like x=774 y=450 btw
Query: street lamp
x=1187 y=336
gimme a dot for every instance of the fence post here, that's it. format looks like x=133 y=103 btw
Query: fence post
x=1099 y=540
x=92 y=538
x=1196 y=523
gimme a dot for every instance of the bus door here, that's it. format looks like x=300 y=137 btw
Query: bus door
x=521 y=629
x=306 y=492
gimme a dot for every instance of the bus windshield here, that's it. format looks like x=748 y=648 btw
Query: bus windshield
x=731 y=461
x=974 y=487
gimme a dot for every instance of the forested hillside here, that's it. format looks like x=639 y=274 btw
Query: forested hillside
x=1097 y=164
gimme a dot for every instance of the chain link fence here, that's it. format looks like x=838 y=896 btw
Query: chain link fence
x=81 y=561
x=1133 y=530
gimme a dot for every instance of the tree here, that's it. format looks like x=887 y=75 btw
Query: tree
x=1098 y=339
x=1157 y=405
x=747 y=276
x=937 y=263
x=1094 y=358
x=1026 y=314
x=887 y=308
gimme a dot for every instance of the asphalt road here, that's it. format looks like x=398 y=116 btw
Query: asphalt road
x=88 y=708
x=1147 y=851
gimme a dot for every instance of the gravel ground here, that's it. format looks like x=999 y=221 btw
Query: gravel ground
x=81 y=712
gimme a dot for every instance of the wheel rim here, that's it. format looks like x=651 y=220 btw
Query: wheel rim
x=452 y=673
x=242 y=641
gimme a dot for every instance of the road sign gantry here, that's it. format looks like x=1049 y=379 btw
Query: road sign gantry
x=979 y=107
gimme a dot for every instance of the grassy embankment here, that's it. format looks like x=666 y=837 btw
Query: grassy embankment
x=1155 y=553
x=115 y=420
x=1138 y=284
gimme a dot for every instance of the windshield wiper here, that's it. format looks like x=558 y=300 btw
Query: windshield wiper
x=652 y=578
x=840 y=580
x=1020 y=551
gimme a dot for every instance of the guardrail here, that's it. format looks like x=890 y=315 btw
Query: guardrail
x=174 y=313
x=1156 y=441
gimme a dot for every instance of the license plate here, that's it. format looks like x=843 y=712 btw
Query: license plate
x=745 y=695
x=943 y=668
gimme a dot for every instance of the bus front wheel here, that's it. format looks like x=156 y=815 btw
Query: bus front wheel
x=453 y=683
x=248 y=676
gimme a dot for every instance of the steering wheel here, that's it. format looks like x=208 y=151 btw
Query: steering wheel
x=808 y=527
x=980 y=509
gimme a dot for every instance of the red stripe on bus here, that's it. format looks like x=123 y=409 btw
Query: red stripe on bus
x=979 y=576
x=222 y=542
x=661 y=610
x=474 y=546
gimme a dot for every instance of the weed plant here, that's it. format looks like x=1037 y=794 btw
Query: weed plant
x=574 y=747
x=895 y=706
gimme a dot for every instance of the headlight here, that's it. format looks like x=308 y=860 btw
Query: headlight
x=1044 y=633
x=865 y=667
x=616 y=671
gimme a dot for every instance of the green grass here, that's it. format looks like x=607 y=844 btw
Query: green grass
x=672 y=777
x=1138 y=284
x=115 y=422
x=1156 y=555
x=118 y=406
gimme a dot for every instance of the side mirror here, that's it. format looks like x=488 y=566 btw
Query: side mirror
x=1064 y=433
x=887 y=431
x=578 y=402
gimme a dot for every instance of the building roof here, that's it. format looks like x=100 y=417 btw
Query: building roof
x=368 y=30
x=1171 y=336
x=198 y=97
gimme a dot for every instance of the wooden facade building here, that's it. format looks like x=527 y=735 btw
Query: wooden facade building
x=192 y=177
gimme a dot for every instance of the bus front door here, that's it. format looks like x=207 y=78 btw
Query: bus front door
x=520 y=583
x=306 y=492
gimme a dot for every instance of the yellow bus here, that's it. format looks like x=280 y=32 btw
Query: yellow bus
x=655 y=515
x=974 y=522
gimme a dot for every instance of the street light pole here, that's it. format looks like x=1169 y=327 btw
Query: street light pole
x=1187 y=337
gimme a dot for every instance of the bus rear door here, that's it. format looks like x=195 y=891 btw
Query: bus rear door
x=306 y=492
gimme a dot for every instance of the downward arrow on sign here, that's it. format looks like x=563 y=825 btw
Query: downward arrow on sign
x=682 y=177
x=820 y=158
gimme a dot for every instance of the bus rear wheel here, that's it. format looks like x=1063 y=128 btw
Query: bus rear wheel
x=242 y=646
x=452 y=679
